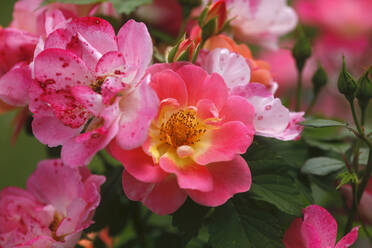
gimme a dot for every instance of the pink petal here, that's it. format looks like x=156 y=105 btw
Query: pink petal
x=60 y=69
x=223 y=143
x=229 y=178
x=66 y=183
x=97 y=32
x=88 y=98
x=323 y=223
x=137 y=163
x=294 y=129
x=14 y=86
x=201 y=86
x=231 y=66
x=111 y=88
x=111 y=62
x=311 y=236
x=137 y=54
x=293 y=237
x=238 y=109
x=189 y=176
x=207 y=109
x=50 y=131
x=80 y=150
x=348 y=239
x=139 y=108
x=169 y=84
x=162 y=198
x=15 y=46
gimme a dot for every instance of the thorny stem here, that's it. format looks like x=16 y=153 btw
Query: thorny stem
x=299 y=91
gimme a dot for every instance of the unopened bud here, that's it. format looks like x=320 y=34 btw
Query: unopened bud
x=301 y=50
x=185 y=50
x=364 y=92
x=319 y=79
x=212 y=19
x=346 y=83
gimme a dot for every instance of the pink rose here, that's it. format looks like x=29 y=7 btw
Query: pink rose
x=193 y=145
x=57 y=205
x=318 y=229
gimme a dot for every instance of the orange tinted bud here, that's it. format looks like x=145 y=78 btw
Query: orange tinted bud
x=223 y=41
x=262 y=76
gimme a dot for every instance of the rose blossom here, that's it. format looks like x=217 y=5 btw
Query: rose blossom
x=260 y=21
x=89 y=88
x=57 y=205
x=272 y=119
x=318 y=229
x=193 y=145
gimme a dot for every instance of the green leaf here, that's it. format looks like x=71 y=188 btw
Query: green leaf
x=244 y=223
x=322 y=166
x=322 y=123
x=347 y=177
x=189 y=227
x=282 y=191
x=128 y=6
x=73 y=1
x=274 y=165
x=334 y=146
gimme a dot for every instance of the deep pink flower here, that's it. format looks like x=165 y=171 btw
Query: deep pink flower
x=90 y=88
x=260 y=21
x=364 y=208
x=193 y=144
x=163 y=14
x=272 y=119
x=318 y=229
x=57 y=205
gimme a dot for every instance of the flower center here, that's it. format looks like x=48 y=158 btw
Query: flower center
x=53 y=226
x=182 y=128
x=96 y=86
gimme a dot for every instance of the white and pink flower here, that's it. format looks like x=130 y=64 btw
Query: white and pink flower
x=260 y=21
x=89 y=87
x=57 y=205
x=272 y=119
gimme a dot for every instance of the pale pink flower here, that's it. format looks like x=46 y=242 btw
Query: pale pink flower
x=31 y=16
x=57 y=205
x=260 y=21
x=89 y=88
x=345 y=18
x=272 y=119
x=318 y=229
x=193 y=144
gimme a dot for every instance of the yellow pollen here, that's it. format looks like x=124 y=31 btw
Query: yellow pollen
x=96 y=86
x=182 y=128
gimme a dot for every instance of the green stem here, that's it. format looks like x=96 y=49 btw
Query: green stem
x=299 y=91
x=366 y=176
x=365 y=229
x=363 y=118
x=355 y=117
x=354 y=210
x=313 y=101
